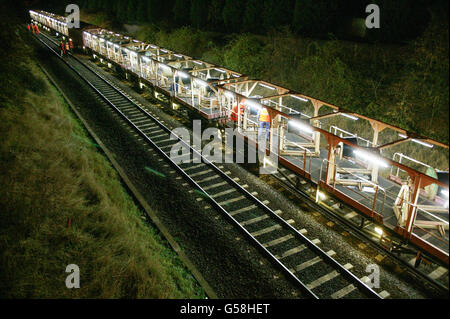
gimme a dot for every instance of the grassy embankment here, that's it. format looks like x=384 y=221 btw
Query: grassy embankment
x=52 y=172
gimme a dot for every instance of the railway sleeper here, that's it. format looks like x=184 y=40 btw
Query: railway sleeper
x=296 y=250
x=320 y=281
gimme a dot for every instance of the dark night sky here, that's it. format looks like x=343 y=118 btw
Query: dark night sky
x=401 y=19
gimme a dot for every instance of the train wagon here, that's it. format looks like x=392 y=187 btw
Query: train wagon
x=57 y=25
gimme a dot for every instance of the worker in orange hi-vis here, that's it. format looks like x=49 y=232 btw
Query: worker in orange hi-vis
x=70 y=45
x=37 y=29
x=63 y=48
x=32 y=28
x=234 y=113
x=29 y=28
x=264 y=122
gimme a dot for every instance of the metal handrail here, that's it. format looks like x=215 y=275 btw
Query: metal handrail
x=336 y=128
x=402 y=156
x=374 y=185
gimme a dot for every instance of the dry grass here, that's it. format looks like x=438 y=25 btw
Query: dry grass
x=52 y=172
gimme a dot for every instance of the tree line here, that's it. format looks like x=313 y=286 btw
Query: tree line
x=400 y=20
x=406 y=84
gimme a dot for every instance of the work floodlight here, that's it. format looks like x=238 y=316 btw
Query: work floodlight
x=301 y=126
x=165 y=67
x=253 y=104
x=354 y=118
x=417 y=141
x=201 y=83
x=370 y=157
x=183 y=75
x=299 y=98
x=266 y=86
x=229 y=94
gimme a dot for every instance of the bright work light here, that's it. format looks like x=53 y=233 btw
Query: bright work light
x=229 y=94
x=354 y=118
x=201 y=83
x=301 y=126
x=266 y=86
x=444 y=192
x=379 y=231
x=299 y=98
x=183 y=75
x=370 y=158
x=252 y=104
x=417 y=141
x=164 y=67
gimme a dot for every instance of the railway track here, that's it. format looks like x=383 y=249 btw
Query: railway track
x=313 y=270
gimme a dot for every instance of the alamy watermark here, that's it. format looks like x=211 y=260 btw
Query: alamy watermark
x=213 y=151
x=374 y=276
x=73 y=18
x=373 y=19
x=73 y=280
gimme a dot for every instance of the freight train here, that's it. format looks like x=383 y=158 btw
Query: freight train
x=363 y=162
